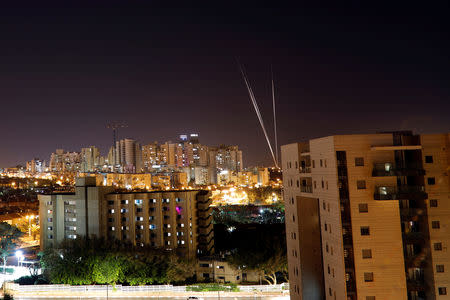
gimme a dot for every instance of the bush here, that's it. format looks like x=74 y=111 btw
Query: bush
x=7 y=296
x=8 y=270
x=212 y=287
x=30 y=280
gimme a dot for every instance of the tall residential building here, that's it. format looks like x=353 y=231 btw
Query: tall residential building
x=62 y=161
x=226 y=158
x=129 y=156
x=151 y=155
x=373 y=211
x=178 y=220
x=90 y=159
x=36 y=165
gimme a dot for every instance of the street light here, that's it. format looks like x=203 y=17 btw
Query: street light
x=29 y=218
x=19 y=255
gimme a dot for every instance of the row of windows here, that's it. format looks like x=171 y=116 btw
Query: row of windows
x=141 y=201
x=359 y=162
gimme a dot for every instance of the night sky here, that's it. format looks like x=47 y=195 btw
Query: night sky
x=67 y=70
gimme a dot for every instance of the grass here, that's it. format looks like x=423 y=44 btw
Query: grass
x=212 y=287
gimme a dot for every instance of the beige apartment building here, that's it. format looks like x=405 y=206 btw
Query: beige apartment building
x=217 y=269
x=174 y=219
x=367 y=216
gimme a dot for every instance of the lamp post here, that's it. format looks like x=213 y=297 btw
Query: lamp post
x=19 y=255
x=29 y=218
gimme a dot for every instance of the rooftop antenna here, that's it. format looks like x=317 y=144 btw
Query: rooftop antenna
x=258 y=113
x=115 y=128
x=274 y=116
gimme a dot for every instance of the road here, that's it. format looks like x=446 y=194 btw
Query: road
x=257 y=297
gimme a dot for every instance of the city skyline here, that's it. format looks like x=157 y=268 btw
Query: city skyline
x=69 y=70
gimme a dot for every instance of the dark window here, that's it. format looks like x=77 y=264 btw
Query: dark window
x=437 y=246
x=324 y=205
x=361 y=184
x=366 y=253
x=442 y=290
x=363 y=207
x=298 y=183
x=321 y=163
x=365 y=230
x=368 y=277
x=429 y=159
x=138 y=210
x=435 y=224
x=431 y=180
x=439 y=268
x=359 y=161
x=433 y=203
x=314 y=163
x=111 y=202
x=370 y=298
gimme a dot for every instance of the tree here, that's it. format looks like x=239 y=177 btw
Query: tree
x=178 y=269
x=9 y=237
x=265 y=254
x=105 y=269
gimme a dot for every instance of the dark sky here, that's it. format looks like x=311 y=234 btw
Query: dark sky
x=70 y=67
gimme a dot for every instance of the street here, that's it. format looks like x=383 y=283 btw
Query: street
x=155 y=297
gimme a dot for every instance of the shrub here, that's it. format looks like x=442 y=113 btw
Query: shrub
x=212 y=287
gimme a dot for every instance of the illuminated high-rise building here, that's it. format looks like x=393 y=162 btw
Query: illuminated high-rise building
x=129 y=156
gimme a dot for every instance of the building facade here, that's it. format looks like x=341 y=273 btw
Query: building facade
x=379 y=205
x=175 y=220
x=216 y=269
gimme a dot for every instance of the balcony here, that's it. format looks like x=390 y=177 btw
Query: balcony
x=389 y=169
x=409 y=213
x=409 y=192
x=305 y=169
x=306 y=188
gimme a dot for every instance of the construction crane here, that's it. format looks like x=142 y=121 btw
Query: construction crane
x=115 y=128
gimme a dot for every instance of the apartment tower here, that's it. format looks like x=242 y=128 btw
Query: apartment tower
x=178 y=220
x=371 y=210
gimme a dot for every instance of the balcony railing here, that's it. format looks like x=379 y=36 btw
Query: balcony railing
x=306 y=188
x=305 y=169
x=389 y=169
x=401 y=192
